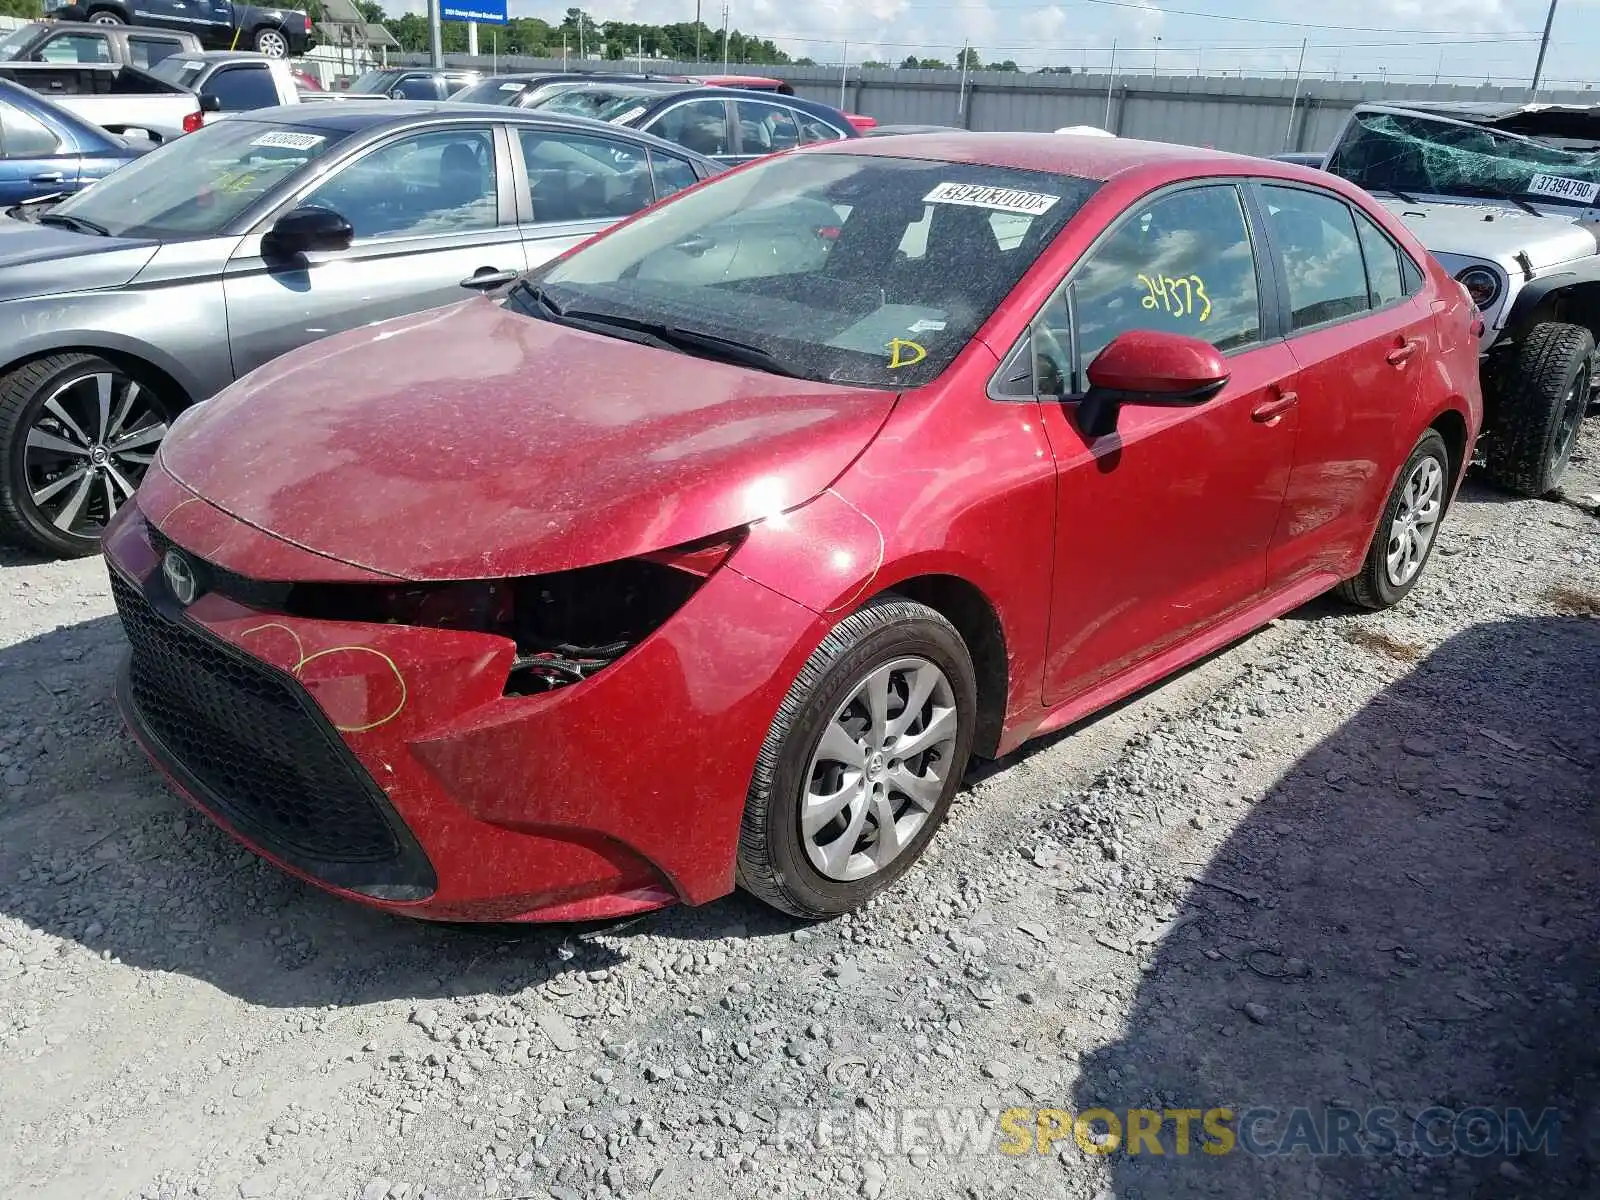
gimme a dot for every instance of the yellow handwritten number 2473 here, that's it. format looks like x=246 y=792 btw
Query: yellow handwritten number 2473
x=1179 y=297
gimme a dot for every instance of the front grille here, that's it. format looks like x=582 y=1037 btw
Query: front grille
x=249 y=742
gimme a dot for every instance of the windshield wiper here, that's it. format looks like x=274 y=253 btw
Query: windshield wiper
x=1396 y=192
x=532 y=291
x=659 y=334
x=68 y=221
x=693 y=341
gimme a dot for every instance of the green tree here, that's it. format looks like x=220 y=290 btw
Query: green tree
x=1008 y=65
x=969 y=60
x=29 y=10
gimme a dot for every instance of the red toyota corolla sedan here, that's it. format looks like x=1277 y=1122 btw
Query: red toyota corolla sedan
x=708 y=554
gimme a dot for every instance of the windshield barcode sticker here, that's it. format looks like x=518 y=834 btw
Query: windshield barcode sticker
x=1560 y=188
x=998 y=199
x=511 y=87
x=283 y=139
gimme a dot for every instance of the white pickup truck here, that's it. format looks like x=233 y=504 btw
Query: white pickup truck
x=179 y=94
x=115 y=97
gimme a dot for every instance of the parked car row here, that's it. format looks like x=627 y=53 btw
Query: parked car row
x=805 y=484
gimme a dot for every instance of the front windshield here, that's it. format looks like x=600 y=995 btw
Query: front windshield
x=492 y=91
x=600 y=103
x=1412 y=153
x=14 y=42
x=846 y=268
x=199 y=184
x=175 y=68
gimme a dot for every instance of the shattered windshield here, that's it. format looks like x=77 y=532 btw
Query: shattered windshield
x=1411 y=153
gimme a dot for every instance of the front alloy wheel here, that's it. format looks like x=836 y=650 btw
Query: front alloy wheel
x=78 y=434
x=862 y=761
x=879 y=771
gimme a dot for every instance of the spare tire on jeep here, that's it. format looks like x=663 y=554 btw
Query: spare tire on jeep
x=1541 y=398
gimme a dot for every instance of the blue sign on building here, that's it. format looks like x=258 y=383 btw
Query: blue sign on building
x=484 y=12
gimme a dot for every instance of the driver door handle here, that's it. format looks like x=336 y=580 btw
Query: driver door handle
x=1273 y=409
x=1403 y=352
x=486 y=279
x=46 y=177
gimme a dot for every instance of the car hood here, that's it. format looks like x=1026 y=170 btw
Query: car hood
x=37 y=260
x=473 y=442
x=1495 y=232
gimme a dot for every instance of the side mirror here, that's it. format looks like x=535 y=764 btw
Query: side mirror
x=307 y=229
x=1144 y=366
x=209 y=102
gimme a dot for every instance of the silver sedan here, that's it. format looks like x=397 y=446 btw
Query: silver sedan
x=178 y=274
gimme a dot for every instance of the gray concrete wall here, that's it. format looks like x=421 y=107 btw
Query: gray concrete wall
x=1251 y=116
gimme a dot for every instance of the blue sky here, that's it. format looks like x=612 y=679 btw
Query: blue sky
x=1463 y=40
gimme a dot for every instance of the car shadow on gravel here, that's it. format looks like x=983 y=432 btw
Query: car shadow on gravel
x=96 y=848
x=1406 y=926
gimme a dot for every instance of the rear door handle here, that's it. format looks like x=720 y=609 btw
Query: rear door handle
x=47 y=177
x=1400 y=354
x=1273 y=409
x=486 y=279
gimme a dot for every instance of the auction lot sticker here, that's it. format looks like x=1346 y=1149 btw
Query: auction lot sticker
x=997 y=199
x=1563 y=189
x=284 y=139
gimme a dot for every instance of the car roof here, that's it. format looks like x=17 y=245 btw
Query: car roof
x=211 y=56
x=347 y=117
x=1063 y=154
x=1533 y=120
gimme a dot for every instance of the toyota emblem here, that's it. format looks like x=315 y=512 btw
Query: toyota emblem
x=175 y=569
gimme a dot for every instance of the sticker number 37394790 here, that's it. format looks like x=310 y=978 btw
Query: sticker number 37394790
x=1560 y=188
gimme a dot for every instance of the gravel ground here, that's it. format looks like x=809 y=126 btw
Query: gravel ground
x=1348 y=863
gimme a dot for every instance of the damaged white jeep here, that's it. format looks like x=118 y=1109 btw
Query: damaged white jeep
x=1507 y=197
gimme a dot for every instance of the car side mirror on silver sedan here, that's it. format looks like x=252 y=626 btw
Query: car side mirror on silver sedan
x=303 y=230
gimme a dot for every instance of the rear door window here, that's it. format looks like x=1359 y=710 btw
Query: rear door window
x=672 y=174
x=1319 y=253
x=241 y=89
x=765 y=128
x=145 y=51
x=1384 y=281
x=698 y=125
x=574 y=177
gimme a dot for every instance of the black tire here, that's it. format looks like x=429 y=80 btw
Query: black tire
x=1543 y=399
x=1373 y=588
x=106 y=16
x=772 y=863
x=277 y=42
x=23 y=393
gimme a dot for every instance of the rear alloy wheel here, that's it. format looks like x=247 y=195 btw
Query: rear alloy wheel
x=272 y=43
x=105 y=16
x=1407 y=530
x=862 y=762
x=1540 y=407
x=77 y=435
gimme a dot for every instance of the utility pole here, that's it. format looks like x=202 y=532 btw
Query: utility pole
x=697 y=30
x=1111 y=82
x=435 y=35
x=844 y=70
x=724 y=39
x=961 y=96
x=472 y=38
x=1544 y=47
x=1294 y=104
